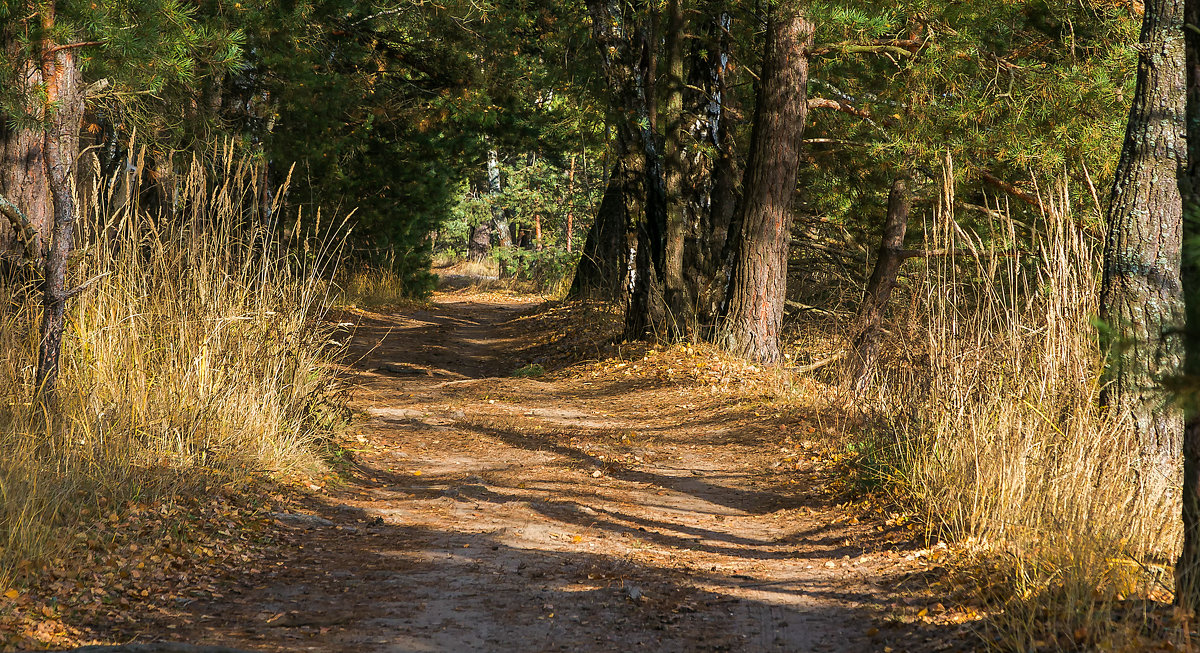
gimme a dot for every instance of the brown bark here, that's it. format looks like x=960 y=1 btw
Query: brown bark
x=1141 y=298
x=883 y=277
x=22 y=170
x=712 y=195
x=602 y=261
x=681 y=314
x=570 y=209
x=1031 y=200
x=838 y=105
x=481 y=241
x=64 y=111
x=1187 y=570
x=24 y=234
x=164 y=180
x=752 y=326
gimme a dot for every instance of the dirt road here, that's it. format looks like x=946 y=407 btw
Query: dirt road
x=487 y=512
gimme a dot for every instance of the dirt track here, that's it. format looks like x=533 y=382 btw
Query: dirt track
x=485 y=512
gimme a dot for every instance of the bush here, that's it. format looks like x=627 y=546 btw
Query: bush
x=548 y=269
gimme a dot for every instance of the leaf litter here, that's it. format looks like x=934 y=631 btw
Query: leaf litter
x=650 y=495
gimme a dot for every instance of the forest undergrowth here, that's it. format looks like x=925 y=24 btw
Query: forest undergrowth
x=197 y=359
x=544 y=273
x=201 y=357
x=985 y=421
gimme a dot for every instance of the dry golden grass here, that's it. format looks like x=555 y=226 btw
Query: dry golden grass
x=486 y=269
x=485 y=277
x=373 y=287
x=200 y=349
x=991 y=427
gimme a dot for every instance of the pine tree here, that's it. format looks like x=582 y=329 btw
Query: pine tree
x=754 y=322
x=1142 y=300
x=51 y=52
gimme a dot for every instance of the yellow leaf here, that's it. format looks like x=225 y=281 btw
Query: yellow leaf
x=923 y=612
x=12 y=594
x=417 y=473
x=577 y=538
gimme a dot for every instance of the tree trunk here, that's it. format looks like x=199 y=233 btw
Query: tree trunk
x=645 y=203
x=265 y=195
x=643 y=306
x=601 y=266
x=1141 y=298
x=1187 y=570
x=681 y=314
x=22 y=169
x=883 y=278
x=481 y=241
x=712 y=200
x=500 y=226
x=751 y=328
x=23 y=182
x=626 y=51
x=64 y=107
x=502 y=229
x=570 y=207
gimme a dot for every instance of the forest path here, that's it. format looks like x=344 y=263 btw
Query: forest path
x=486 y=512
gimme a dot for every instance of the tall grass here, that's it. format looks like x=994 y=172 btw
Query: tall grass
x=376 y=285
x=198 y=349
x=993 y=422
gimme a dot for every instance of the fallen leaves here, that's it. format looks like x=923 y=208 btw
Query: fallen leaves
x=130 y=563
x=683 y=365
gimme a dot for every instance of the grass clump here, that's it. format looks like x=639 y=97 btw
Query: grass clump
x=531 y=371
x=199 y=351
x=994 y=431
x=547 y=273
x=374 y=286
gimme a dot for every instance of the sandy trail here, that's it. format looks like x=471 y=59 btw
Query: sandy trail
x=484 y=512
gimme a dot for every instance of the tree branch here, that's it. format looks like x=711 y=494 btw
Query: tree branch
x=833 y=141
x=1012 y=190
x=97 y=87
x=812 y=367
x=22 y=226
x=931 y=253
x=381 y=14
x=70 y=46
x=84 y=286
x=815 y=309
x=838 y=105
x=899 y=47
